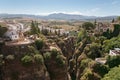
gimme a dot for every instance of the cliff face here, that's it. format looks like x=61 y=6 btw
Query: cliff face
x=56 y=66
x=14 y=70
x=53 y=67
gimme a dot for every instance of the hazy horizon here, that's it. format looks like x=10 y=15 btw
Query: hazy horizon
x=46 y=7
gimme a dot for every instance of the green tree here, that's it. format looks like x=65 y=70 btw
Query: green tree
x=34 y=28
x=100 y=69
x=113 y=74
x=113 y=61
x=81 y=35
x=94 y=51
x=107 y=34
x=47 y=56
x=39 y=44
x=88 y=26
x=60 y=60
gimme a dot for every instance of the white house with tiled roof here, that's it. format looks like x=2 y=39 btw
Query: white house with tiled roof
x=14 y=31
x=12 y=34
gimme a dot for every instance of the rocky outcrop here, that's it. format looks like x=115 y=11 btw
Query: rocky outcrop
x=13 y=68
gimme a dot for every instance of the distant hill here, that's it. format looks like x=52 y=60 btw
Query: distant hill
x=68 y=16
x=58 y=16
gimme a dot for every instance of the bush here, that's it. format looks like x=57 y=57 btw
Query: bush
x=47 y=55
x=27 y=60
x=38 y=58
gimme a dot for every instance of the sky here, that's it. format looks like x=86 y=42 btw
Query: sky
x=45 y=7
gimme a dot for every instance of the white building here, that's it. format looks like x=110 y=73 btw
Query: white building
x=14 y=31
x=114 y=52
x=12 y=34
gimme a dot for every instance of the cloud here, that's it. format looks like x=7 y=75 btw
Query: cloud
x=74 y=12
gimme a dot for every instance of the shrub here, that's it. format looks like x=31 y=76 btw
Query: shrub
x=27 y=60
x=38 y=58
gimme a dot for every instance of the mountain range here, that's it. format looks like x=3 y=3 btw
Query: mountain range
x=58 y=16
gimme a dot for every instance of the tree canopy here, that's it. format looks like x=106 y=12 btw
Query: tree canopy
x=88 y=26
x=34 y=28
x=113 y=74
x=111 y=44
